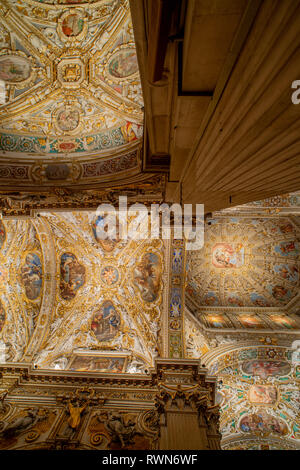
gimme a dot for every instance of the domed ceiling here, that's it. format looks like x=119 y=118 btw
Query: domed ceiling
x=72 y=82
x=248 y=266
x=70 y=300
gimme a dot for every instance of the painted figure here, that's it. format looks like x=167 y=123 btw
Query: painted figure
x=266 y=368
x=263 y=422
x=147 y=275
x=235 y=300
x=259 y=300
x=249 y=321
x=283 y=320
x=263 y=394
x=280 y=292
x=100 y=364
x=210 y=299
x=72 y=25
x=290 y=248
x=106 y=322
x=31 y=275
x=72 y=275
x=112 y=231
x=288 y=272
x=226 y=255
x=123 y=65
x=217 y=321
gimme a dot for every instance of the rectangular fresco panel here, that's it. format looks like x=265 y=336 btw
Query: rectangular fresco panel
x=250 y=321
x=263 y=394
x=99 y=363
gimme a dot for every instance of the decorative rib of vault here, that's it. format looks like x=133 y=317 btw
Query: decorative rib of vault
x=71 y=300
x=71 y=77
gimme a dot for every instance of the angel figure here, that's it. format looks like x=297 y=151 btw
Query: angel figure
x=75 y=415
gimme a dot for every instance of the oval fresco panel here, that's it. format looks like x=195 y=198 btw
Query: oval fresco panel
x=259 y=300
x=72 y=276
x=102 y=224
x=280 y=292
x=235 y=300
x=72 y=25
x=263 y=422
x=147 y=275
x=106 y=322
x=220 y=398
x=250 y=321
x=210 y=299
x=228 y=255
x=216 y=320
x=123 y=64
x=31 y=275
x=2 y=316
x=266 y=369
x=2 y=234
x=287 y=271
x=288 y=249
x=14 y=68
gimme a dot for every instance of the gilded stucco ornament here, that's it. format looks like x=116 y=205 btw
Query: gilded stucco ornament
x=66 y=306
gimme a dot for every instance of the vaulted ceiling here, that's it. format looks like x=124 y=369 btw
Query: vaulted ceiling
x=73 y=104
x=72 y=78
x=220 y=129
x=64 y=290
x=247 y=273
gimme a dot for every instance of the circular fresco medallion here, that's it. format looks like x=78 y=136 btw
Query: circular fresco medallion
x=68 y=119
x=72 y=25
x=109 y=275
x=105 y=322
x=14 y=69
x=123 y=64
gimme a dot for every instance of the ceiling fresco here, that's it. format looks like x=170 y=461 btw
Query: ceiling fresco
x=258 y=386
x=276 y=205
x=243 y=325
x=259 y=398
x=72 y=80
x=70 y=301
x=247 y=273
